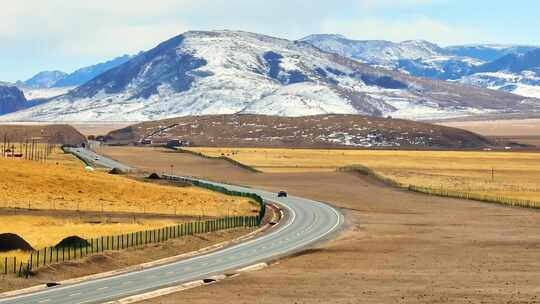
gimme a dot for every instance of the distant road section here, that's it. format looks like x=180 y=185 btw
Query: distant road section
x=92 y=157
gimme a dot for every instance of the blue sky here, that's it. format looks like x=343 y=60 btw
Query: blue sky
x=38 y=35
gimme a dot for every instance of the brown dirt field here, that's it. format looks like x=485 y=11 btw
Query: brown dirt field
x=502 y=127
x=399 y=247
x=112 y=260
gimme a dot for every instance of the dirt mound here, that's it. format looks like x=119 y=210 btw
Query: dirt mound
x=10 y=241
x=154 y=176
x=73 y=241
x=117 y=171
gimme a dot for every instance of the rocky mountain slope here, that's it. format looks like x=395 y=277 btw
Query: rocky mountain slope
x=11 y=99
x=320 y=131
x=226 y=72
x=465 y=64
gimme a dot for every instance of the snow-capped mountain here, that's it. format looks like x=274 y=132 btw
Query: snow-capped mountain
x=379 y=52
x=225 y=72
x=476 y=65
x=42 y=80
x=514 y=63
x=59 y=79
x=515 y=73
x=526 y=83
x=487 y=52
x=415 y=57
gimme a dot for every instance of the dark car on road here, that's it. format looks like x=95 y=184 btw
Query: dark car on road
x=282 y=194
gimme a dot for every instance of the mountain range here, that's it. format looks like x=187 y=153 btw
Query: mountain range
x=226 y=72
x=510 y=68
x=58 y=79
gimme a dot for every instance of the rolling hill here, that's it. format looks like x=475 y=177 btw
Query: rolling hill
x=320 y=131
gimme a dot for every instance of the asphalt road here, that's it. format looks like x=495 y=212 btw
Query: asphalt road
x=307 y=222
x=98 y=160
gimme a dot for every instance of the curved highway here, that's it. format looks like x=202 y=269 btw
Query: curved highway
x=305 y=223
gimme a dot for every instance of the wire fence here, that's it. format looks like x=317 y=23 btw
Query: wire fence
x=84 y=248
x=476 y=197
x=30 y=149
x=445 y=192
x=195 y=182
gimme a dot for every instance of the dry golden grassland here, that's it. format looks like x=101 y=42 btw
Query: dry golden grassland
x=27 y=184
x=42 y=231
x=61 y=183
x=516 y=175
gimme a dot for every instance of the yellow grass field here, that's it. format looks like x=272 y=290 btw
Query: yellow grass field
x=46 y=231
x=59 y=184
x=516 y=175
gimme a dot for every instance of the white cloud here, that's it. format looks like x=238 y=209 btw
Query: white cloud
x=61 y=34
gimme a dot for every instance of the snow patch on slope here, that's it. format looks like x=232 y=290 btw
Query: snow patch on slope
x=526 y=83
x=30 y=93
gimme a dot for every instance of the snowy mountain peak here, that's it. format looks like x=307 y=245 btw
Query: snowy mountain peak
x=424 y=46
x=45 y=79
x=225 y=72
x=315 y=37
x=379 y=52
x=476 y=64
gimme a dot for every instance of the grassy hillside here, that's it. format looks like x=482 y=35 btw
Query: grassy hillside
x=55 y=134
x=50 y=186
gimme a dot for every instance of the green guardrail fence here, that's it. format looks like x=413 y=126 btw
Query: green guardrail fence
x=83 y=248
